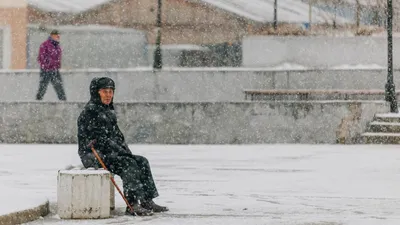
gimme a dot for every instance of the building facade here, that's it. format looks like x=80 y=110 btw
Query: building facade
x=183 y=22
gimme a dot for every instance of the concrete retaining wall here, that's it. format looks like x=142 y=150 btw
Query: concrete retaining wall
x=318 y=51
x=179 y=84
x=198 y=123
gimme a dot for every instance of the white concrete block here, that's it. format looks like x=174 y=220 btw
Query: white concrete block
x=83 y=194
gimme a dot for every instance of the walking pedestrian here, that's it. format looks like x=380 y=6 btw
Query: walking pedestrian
x=49 y=59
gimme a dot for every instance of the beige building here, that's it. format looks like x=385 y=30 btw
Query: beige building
x=13 y=23
x=184 y=21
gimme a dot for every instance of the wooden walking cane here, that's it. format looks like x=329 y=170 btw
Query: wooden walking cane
x=91 y=145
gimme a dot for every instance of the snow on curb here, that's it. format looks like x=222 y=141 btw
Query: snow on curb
x=27 y=215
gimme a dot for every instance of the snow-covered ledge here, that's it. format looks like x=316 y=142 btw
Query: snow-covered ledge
x=83 y=194
x=192 y=84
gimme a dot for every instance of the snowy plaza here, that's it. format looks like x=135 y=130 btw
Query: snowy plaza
x=233 y=112
x=226 y=184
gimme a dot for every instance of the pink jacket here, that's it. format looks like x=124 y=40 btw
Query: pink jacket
x=49 y=57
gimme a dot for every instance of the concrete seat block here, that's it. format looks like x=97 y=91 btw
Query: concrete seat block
x=84 y=194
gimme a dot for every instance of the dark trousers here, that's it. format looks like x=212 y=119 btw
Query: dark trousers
x=135 y=173
x=55 y=78
x=136 y=176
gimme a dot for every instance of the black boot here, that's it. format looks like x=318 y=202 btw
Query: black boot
x=138 y=210
x=151 y=205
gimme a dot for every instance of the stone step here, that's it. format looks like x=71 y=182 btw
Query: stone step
x=387 y=117
x=385 y=127
x=381 y=138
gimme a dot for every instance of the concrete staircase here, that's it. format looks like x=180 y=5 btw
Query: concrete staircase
x=384 y=129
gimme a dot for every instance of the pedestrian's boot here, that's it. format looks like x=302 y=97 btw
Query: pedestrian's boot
x=138 y=210
x=151 y=205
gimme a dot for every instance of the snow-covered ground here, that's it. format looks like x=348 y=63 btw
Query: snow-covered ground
x=12 y=200
x=254 y=184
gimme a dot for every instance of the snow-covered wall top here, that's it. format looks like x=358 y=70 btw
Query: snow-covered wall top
x=191 y=85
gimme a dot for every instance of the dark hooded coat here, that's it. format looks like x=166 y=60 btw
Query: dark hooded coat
x=98 y=122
